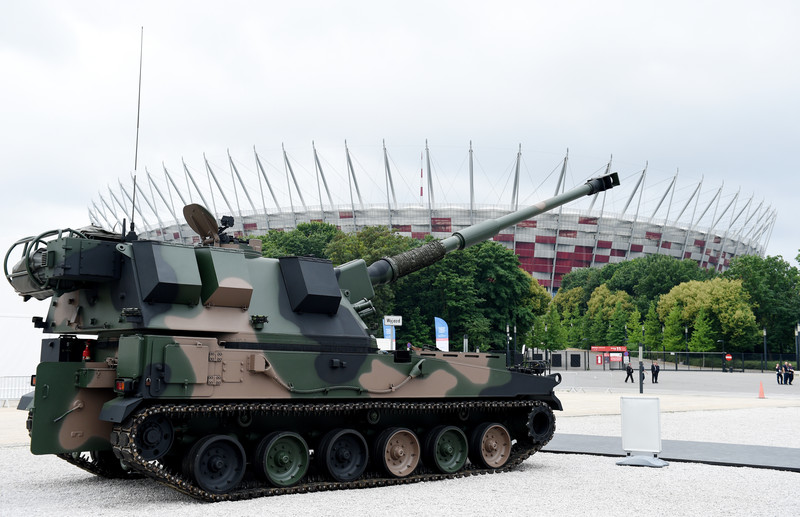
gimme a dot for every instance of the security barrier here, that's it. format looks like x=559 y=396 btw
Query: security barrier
x=12 y=388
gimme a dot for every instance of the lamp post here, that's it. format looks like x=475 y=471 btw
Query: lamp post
x=764 y=360
x=677 y=357
x=643 y=334
x=797 y=343
x=508 y=346
x=547 y=353
x=641 y=364
x=641 y=370
x=515 y=347
x=686 y=336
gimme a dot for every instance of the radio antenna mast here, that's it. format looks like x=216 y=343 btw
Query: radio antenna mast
x=138 y=111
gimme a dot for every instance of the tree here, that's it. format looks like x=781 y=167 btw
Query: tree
x=555 y=335
x=652 y=328
x=604 y=301
x=570 y=301
x=574 y=326
x=504 y=290
x=478 y=332
x=478 y=291
x=445 y=290
x=634 y=325
x=539 y=299
x=369 y=244
x=587 y=332
x=536 y=338
x=647 y=278
x=643 y=279
x=774 y=290
x=674 y=330
x=589 y=279
x=726 y=304
x=702 y=336
x=598 y=327
x=307 y=240
x=617 y=334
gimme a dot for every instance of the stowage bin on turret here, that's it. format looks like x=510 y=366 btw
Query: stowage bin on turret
x=227 y=375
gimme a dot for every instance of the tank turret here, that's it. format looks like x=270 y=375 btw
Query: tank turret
x=227 y=375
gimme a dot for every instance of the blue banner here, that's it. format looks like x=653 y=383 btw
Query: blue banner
x=388 y=332
x=442 y=334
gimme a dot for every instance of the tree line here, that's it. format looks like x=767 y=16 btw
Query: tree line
x=658 y=300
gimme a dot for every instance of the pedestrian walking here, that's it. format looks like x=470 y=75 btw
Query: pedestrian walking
x=629 y=369
x=654 y=369
x=786 y=372
x=779 y=371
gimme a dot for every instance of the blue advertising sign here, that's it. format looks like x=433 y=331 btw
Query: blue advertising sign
x=442 y=334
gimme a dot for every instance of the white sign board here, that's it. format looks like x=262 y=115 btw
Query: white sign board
x=394 y=321
x=641 y=424
x=384 y=344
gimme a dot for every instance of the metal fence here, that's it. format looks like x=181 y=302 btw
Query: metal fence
x=731 y=361
x=12 y=388
x=575 y=359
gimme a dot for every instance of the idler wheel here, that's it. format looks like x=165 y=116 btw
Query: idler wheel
x=216 y=463
x=282 y=458
x=446 y=449
x=490 y=446
x=343 y=454
x=397 y=450
x=154 y=437
x=111 y=466
x=541 y=424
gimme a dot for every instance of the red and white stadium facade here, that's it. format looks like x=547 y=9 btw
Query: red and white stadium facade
x=706 y=226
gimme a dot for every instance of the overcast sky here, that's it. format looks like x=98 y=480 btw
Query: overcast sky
x=709 y=88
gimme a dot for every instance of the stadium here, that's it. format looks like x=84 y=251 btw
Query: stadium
x=442 y=190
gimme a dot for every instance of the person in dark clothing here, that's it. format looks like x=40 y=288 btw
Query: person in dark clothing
x=654 y=369
x=629 y=369
x=786 y=379
x=779 y=371
x=790 y=372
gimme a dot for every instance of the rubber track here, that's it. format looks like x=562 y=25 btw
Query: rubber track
x=98 y=469
x=123 y=440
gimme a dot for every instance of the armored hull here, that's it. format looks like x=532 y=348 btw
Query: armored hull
x=227 y=375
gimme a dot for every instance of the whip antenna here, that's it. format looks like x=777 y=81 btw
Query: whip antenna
x=138 y=111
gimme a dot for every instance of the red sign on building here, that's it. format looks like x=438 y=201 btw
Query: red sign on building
x=609 y=349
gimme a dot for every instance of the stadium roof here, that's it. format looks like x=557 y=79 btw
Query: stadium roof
x=421 y=190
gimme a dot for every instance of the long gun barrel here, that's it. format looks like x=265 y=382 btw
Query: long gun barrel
x=389 y=269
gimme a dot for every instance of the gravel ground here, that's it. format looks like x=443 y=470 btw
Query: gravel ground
x=552 y=484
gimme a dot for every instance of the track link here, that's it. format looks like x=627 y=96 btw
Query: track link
x=110 y=469
x=123 y=439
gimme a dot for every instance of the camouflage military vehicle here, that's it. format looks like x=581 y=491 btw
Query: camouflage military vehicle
x=227 y=375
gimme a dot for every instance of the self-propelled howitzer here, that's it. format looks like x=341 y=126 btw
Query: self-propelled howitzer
x=227 y=375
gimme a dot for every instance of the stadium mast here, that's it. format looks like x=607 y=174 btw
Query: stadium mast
x=269 y=186
x=234 y=170
x=472 y=190
x=561 y=182
x=389 y=184
x=169 y=205
x=219 y=187
x=320 y=173
x=600 y=218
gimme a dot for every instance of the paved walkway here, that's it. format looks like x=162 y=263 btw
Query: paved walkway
x=778 y=458
x=597 y=392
